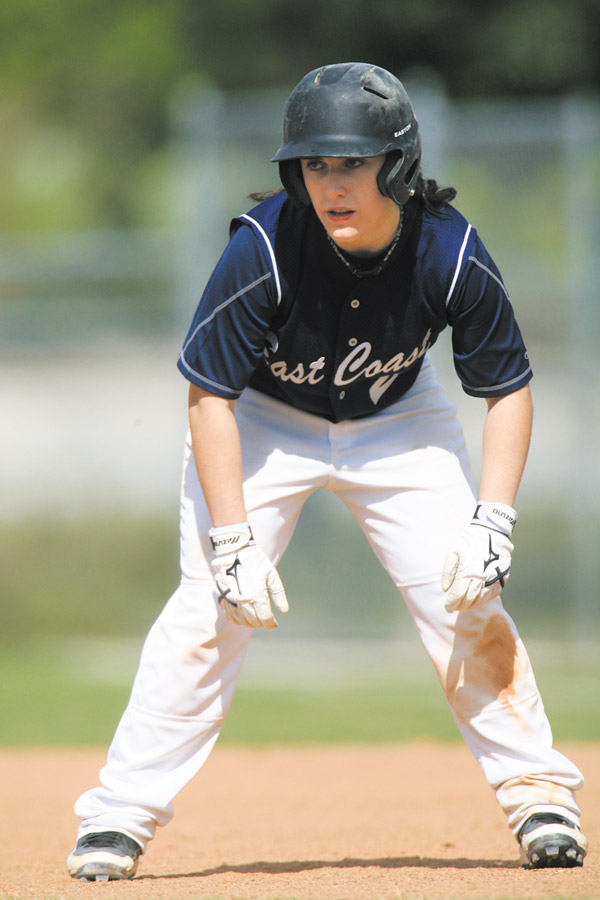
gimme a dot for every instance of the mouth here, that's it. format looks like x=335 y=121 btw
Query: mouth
x=339 y=215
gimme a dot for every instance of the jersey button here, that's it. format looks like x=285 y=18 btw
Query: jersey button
x=342 y=394
x=352 y=342
x=355 y=304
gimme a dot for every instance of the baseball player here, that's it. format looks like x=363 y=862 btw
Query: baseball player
x=308 y=366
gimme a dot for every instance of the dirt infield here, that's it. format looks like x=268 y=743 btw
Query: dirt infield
x=333 y=823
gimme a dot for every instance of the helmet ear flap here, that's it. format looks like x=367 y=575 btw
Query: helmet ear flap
x=290 y=173
x=394 y=180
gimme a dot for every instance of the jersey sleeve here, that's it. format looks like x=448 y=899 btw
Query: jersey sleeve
x=226 y=339
x=490 y=357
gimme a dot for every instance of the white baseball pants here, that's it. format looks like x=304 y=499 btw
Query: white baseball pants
x=404 y=474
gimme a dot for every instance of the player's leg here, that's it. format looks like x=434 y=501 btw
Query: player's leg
x=412 y=495
x=192 y=657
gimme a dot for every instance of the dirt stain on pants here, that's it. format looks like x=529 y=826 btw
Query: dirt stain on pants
x=483 y=663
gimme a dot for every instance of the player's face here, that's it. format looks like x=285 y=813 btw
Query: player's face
x=346 y=199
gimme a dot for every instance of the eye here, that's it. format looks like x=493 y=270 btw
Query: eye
x=354 y=162
x=313 y=165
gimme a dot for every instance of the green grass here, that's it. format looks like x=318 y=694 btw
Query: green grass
x=375 y=714
x=45 y=701
x=66 y=586
x=111 y=576
x=107 y=575
x=51 y=697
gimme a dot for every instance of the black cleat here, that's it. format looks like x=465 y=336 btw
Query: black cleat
x=104 y=856
x=549 y=840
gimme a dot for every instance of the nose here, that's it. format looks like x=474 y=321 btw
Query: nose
x=335 y=186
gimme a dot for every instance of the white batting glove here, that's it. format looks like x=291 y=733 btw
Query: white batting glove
x=477 y=567
x=246 y=579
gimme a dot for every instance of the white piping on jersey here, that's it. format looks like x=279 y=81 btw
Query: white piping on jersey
x=208 y=319
x=225 y=303
x=498 y=387
x=491 y=274
x=271 y=253
x=505 y=384
x=214 y=384
x=458 y=264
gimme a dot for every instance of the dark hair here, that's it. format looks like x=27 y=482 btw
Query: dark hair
x=259 y=196
x=431 y=195
x=427 y=192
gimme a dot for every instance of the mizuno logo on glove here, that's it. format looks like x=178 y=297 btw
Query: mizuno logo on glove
x=247 y=581
x=477 y=567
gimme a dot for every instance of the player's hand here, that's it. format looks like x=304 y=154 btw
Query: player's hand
x=478 y=565
x=246 y=579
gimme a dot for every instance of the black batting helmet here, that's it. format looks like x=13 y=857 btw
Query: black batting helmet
x=351 y=110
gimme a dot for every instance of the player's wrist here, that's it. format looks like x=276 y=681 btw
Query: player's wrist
x=230 y=538
x=498 y=516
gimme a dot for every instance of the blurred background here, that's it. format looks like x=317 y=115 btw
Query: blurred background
x=131 y=133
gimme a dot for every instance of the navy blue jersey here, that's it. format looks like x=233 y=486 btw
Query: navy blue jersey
x=283 y=314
